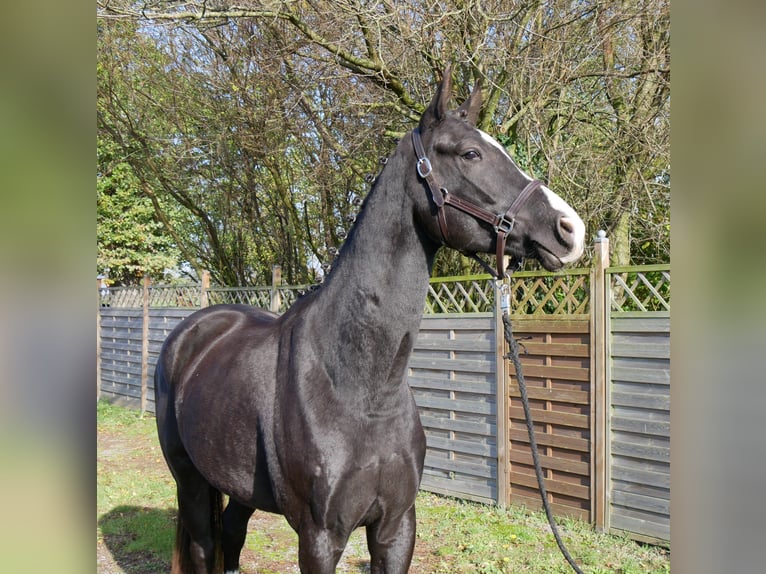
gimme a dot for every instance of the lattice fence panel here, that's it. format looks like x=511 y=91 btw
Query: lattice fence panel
x=290 y=294
x=123 y=297
x=473 y=294
x=550 y=294
x=187 y=296
x=644 y=288
x=255 y=296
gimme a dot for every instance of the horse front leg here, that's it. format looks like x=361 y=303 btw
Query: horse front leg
x=319 y=549
x=391 y=544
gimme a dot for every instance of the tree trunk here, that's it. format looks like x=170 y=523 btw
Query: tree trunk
x=621 y=241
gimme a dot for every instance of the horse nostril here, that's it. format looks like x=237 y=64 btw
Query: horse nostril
x=567 y=226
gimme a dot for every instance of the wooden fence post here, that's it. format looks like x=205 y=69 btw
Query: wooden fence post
x=276 y=281
x=502 y=398
x=98 y=339
x=599 y=403
x=145 y=345
x=204 y=300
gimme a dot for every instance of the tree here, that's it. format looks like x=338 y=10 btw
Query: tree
x=265 y=121
x=131 y=242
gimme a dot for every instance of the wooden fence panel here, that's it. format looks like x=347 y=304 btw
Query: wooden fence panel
x=597 y=367
x=452 y=375
x=121 y=342
x=121 y=346
x=161 y=322
x=639 y=445
x=557 y=371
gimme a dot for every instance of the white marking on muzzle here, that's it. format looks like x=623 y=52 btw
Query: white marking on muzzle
x=578 y=227
x=556 y=202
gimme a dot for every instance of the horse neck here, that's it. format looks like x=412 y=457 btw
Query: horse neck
x=375 y=294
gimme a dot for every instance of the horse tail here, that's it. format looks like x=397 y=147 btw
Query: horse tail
x=182 y=558
x=216 y=524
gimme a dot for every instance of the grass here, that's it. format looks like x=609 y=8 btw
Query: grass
x=136 y=523
x=470 y=537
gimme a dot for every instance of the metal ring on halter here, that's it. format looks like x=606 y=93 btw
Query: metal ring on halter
x=505 y=225
x=424 y=161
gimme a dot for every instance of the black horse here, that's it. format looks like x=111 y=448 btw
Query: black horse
x=309 y=414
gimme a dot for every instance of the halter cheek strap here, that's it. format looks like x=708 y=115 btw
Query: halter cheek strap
x=502 y=222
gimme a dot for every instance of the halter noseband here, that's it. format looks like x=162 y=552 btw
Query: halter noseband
x=502 y=222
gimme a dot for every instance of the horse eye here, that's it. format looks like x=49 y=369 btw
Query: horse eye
x=472 y=154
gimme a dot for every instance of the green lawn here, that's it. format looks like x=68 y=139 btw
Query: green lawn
x=136 y=524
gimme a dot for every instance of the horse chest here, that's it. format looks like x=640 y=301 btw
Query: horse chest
x=345 y=470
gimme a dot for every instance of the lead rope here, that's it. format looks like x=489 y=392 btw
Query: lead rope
x=505 y=304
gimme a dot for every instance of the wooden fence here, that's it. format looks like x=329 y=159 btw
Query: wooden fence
x=596 y=360
x=638 y=395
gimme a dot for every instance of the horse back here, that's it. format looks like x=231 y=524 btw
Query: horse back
x=196 y=334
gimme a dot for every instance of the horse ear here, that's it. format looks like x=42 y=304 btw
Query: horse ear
x=469 y=109
x=437 y=109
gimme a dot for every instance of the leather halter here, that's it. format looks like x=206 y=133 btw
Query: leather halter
x=502 y=222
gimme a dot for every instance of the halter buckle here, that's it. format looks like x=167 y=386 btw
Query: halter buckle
x=504 y=225
x=424 y=161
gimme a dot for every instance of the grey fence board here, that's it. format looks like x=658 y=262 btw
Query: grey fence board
x=639 y=424
x=121 y=347
x=452 y=375
x=161 y=322
x=121 y=333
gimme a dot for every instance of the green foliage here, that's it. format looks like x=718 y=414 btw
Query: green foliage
x=131 y=242
x=253 y=137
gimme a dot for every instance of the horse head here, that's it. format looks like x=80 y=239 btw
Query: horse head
x=478 y=200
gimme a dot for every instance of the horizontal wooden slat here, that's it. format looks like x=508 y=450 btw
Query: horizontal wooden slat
x=535 y=503
x=641 y=350
x=460 y=467
x=472 y=322
x=124 y=368
x=622 y=371
x=642 y=489
x=556 y=395
x=554 y=440
x=640 y=451
x=640 y=324
x=536 y=348
x=485 y=492
x=552 y=417
x=554 y=463
x=552 y=324
x=123 y=352
x=551 y=485
x=642 y=503
x=646 y=528
x=122 y=389
x=112 y=316
x=445 y=384
x=478 y=428
x=465 y=345
x=476 y=407
x=552 y=372
x=475 y=447
x=474 y=366
x=639 y=426
x=647 y=401
x=656 y=479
